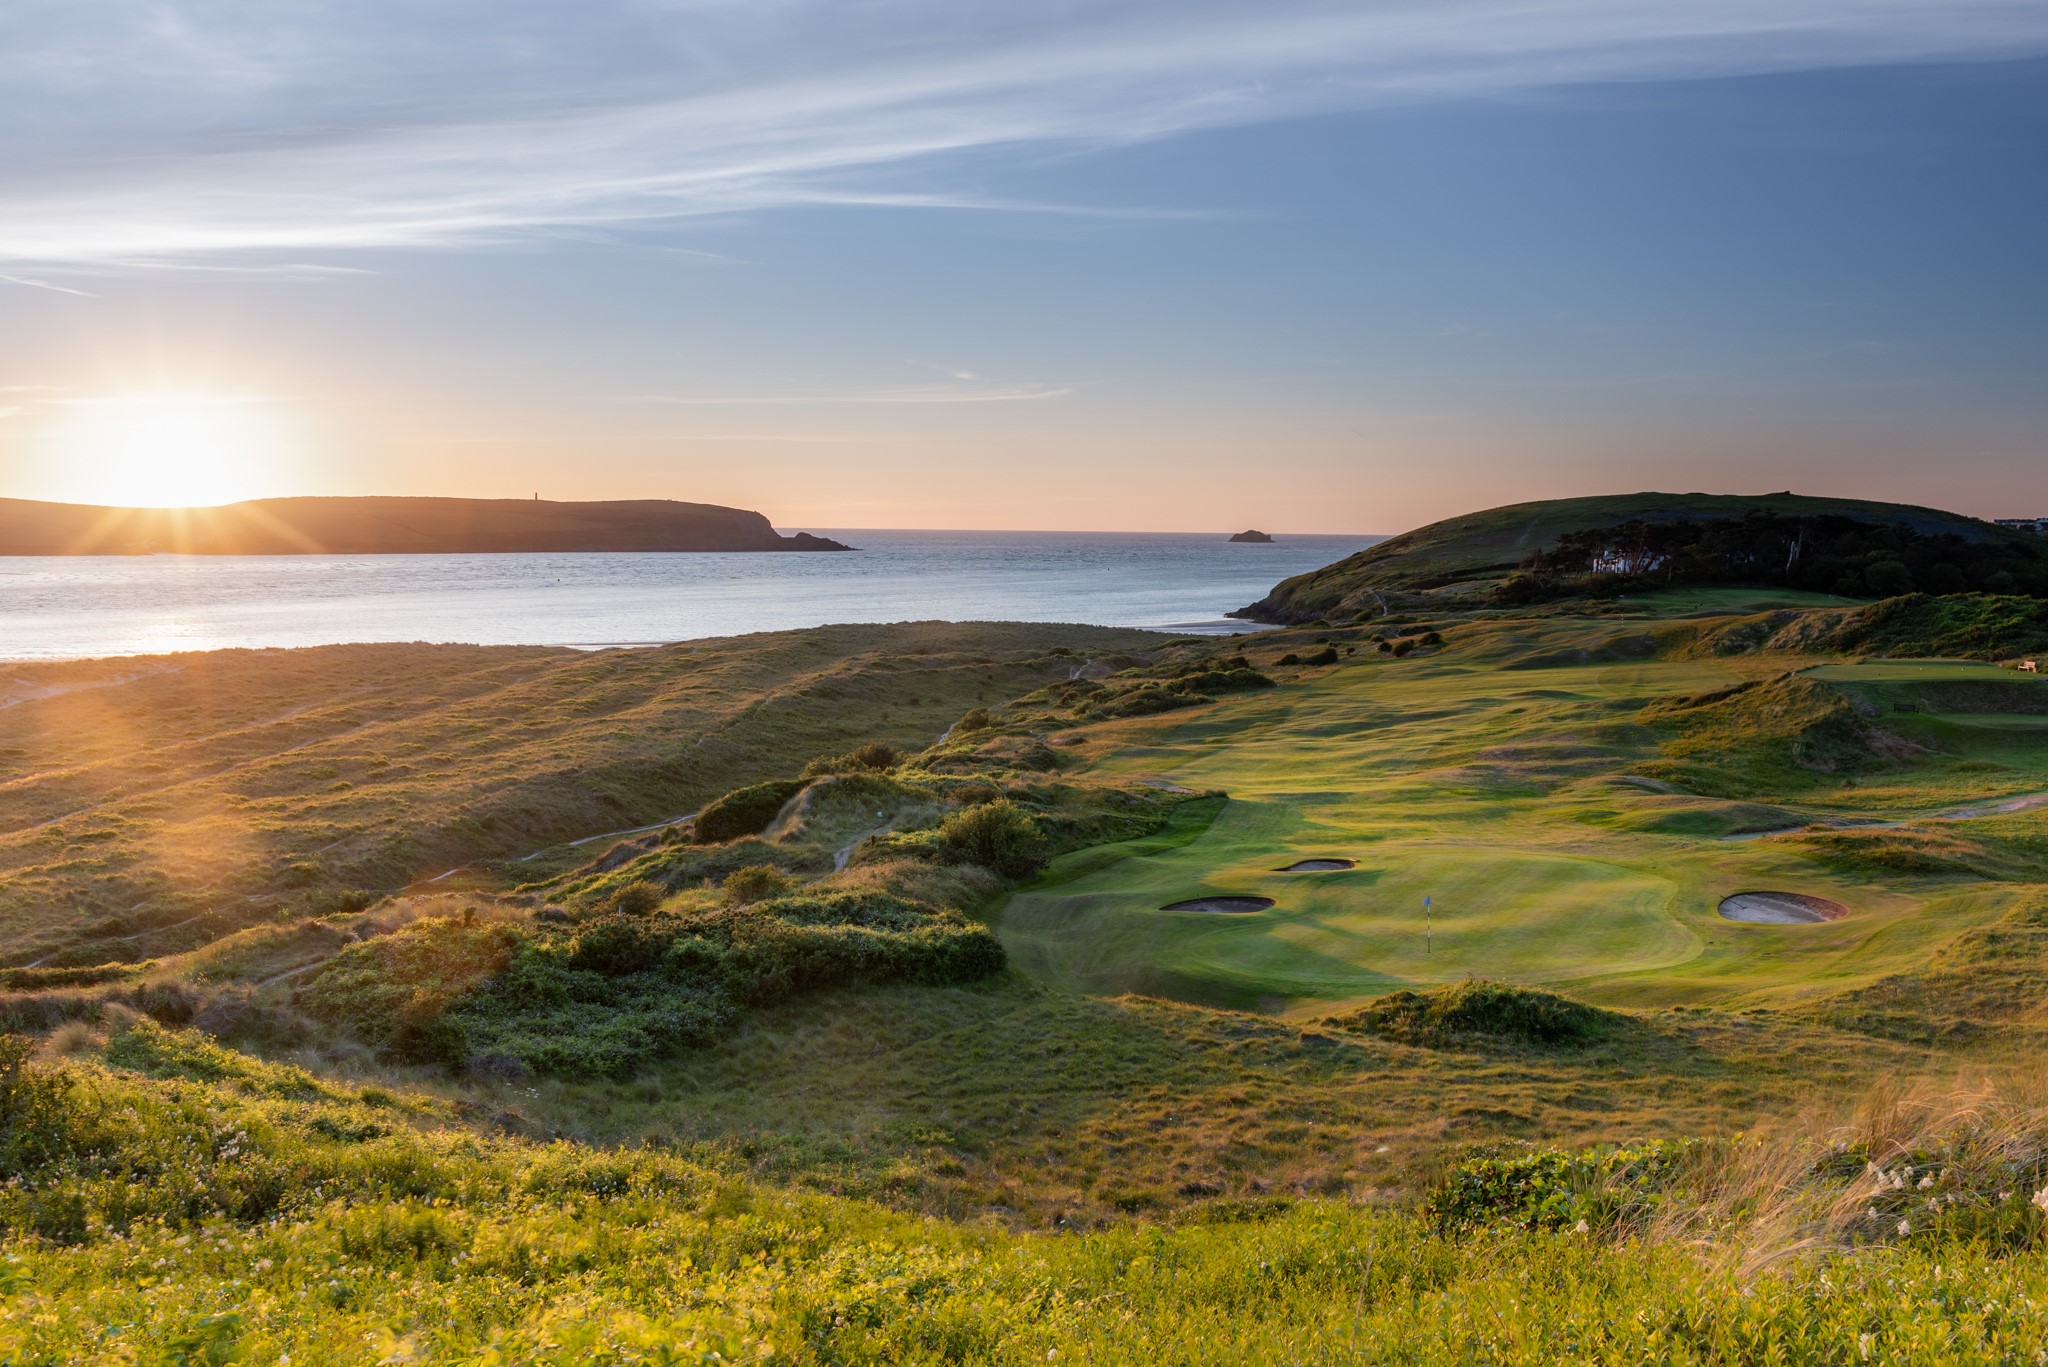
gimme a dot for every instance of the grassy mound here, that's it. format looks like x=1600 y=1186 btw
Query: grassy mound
x=1995 y=975
x=606 y=995
x=1480 y=1011
x=1775 y=737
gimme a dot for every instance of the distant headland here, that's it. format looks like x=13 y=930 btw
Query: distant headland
x=391 y=526
x=1252 y=536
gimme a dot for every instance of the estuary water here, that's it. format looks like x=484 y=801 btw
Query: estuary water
x=71 y=607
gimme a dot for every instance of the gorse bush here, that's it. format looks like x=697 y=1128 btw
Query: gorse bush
x=870 y=758
x=1477 y=1011
x=1597 y=1190
x=636 y=898
x=745 y=811
x=606 y=995
x=999 y=836
x=393 y=991
x=754 y=883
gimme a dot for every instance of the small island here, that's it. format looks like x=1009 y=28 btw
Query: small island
x=1253 y=536
x=391 y=526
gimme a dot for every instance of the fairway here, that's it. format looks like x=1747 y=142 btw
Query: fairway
x=1516 y=801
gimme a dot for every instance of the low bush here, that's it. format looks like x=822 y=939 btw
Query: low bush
x=604 y=996
x=999 y=836
x=754 y=883
x=393 y=992
x=1603 y=1189
x=869 y=758
x=1477 y=1010
x=745 y=811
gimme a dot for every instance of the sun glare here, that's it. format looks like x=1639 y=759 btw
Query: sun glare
x=167 y=450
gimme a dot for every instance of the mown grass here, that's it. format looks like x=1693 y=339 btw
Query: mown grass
x=1573 y=822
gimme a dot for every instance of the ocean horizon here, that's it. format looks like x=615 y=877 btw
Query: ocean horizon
x=76 y=607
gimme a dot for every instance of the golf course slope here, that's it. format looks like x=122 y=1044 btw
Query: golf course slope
x=1491 y=544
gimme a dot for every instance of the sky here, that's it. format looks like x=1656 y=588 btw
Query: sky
x=1116 y=265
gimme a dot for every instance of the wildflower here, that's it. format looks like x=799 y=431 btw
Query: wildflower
x=1865 y=1345
x=1905 y=1228
x=2041 y=1199
x=1873 y=1212
x=1926 y=1181
x=1581 y=1227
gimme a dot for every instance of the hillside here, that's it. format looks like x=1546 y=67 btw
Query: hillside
x=1470 y=554
x=390 y=526
x=1002 y=993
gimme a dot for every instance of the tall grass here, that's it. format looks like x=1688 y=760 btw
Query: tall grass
x=190 y=1205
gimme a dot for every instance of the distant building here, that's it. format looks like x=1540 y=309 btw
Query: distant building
x=1626 y=562
x=2037 y=525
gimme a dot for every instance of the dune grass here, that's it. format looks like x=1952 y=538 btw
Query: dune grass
x=187 y=796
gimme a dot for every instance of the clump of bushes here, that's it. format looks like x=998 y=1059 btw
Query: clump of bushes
x=1603 y=1189
x=394 y=991
x=873 y=757
x=1476 y=1011
x=745 y=811
x=754 y=883
x=999 y=836
x=607 y=995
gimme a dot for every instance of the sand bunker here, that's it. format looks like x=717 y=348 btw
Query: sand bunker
x=1320 y=865
x=1223 y=904
x=1780 y=909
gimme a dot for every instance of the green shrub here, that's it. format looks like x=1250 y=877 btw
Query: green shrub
x=1480 y=1010
x=869 y=758
x=999 y=836
x=745 y=811
x=978 y=719
x=1606 y=1188
x=33 y=1113
x=754 y=883
x=393 y=992
x=636 y=898
x=1239 y=679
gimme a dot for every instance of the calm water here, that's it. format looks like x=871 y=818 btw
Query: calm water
x=73 y=606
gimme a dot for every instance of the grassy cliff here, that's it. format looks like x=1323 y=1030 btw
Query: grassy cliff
x=1479 y=549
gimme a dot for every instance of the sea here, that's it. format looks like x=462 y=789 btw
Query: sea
x=76 y=607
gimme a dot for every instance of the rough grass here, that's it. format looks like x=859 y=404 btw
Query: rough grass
x=190 y=1206
x=176 y=799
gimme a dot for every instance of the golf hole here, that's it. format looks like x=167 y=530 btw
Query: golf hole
x=1320 y=865
x=1781 y=909
x=1231 y=905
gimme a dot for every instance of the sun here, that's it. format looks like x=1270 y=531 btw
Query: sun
x=167 y=450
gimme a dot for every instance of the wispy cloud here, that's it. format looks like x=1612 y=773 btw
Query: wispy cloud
x=46 y=285
x=915 y=395
x=203 y=126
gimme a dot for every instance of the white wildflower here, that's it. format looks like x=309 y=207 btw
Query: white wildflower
x=1905 y=1227
x=2041 y=1198
x=1926 y=1181
x=1866 y=1344
x=1581 y=1227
